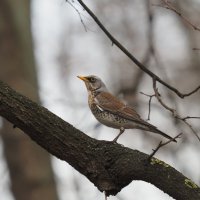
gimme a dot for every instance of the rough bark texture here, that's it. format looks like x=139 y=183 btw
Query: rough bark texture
x=108 y=165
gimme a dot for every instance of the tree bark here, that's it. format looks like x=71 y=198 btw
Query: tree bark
x=108 y=165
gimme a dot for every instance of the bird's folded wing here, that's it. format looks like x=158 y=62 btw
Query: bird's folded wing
x=108 y=102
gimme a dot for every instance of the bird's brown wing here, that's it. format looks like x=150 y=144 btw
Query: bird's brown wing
x=108 y=102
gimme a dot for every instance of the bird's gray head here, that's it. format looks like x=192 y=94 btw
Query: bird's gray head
x=93 y=83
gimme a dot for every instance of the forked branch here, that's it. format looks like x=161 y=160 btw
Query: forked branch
x=150 y=99
x=173 y=111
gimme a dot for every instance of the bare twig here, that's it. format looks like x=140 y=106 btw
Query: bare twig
x=158 y=96
x=188 y=117
x=190 y=126
x=150 y=98
x=138 y=63
x=161 y=145
x=173 y=111
x=169 y=6
x=79 y=14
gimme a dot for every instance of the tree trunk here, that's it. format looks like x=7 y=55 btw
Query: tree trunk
x=29 y=165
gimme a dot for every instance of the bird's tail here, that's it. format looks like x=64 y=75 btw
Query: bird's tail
x=151 y=128
x=163 y=134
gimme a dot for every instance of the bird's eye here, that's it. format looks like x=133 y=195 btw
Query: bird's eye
x=92 y=79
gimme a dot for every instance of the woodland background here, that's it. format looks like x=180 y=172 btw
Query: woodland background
x=45 y=44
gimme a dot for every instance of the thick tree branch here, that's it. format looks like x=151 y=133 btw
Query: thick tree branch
x=108 y=165
x=137 y=62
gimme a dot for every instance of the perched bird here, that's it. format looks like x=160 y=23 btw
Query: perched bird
x=112 y=112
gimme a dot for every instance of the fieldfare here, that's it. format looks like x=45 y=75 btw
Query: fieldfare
x=112 y=112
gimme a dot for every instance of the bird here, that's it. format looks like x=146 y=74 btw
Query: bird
x=112 y=112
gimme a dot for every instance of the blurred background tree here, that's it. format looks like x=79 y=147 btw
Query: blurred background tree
x=30 y=170
x=157 y=37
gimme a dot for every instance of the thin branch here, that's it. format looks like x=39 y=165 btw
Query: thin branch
x=138 y=63
x=150 y=99
x=79 y=14
x=173 y=111
x=169 y=6
x=188 y=117
x=192 y=129
x=158 y=96
x=161 y=145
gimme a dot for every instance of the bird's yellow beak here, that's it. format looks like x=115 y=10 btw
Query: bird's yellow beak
x=83 y=78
